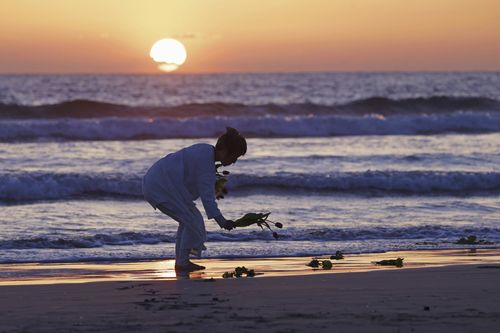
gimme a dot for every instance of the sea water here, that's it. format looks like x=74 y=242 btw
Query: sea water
x=349 y=162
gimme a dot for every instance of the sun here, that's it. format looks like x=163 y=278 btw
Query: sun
x=170 y=53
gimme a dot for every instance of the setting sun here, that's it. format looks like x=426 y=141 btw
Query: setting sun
x=170 y=53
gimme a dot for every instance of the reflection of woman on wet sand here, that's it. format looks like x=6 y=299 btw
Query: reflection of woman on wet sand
x=173 y=182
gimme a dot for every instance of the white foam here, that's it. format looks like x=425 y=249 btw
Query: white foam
x=249 y=235
x=271 y=126
x=53 y=186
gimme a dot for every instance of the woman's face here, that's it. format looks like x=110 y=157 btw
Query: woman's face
x=228 y=159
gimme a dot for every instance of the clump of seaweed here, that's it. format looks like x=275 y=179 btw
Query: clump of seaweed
x=238 y=272
x=261 y=219
x=391 y=262
x=337 y=256
x=325 y=264
x=472 y=240
x=313 y=263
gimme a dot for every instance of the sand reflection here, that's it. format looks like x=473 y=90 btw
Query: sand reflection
x=45 y=273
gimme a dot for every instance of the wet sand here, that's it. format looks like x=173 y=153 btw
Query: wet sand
x=435 y=291
x=39 y=273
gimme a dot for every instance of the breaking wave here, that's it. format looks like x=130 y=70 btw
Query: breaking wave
x=250 y=234
x=21 y=187
x=127 y=128
x=373 y=105
x=93 y=120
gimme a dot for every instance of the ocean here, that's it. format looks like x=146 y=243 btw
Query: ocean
x=363 y=162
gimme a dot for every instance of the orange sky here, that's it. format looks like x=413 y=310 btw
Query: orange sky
x=114 y=36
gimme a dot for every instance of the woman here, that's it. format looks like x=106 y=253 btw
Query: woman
x=175 y=181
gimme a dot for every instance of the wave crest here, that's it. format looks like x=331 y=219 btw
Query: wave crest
x=373 y=105
x=249 y=235
x=20 y=187
x=269 y=126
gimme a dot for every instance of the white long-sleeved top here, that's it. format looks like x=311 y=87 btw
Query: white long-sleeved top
x=182 y=177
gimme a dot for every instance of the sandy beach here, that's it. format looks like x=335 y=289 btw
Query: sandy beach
x=435 y=291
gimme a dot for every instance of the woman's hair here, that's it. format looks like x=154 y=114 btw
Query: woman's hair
x=233 y=142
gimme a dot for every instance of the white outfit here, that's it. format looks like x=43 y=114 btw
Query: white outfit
x=171 y=185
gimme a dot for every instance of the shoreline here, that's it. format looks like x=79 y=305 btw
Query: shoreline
x=163 y=270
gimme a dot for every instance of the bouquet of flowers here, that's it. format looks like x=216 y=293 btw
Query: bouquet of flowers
x=220 y=182
x=260 y=219
x=248 y=219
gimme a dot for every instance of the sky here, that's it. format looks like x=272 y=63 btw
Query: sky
x=220 y=36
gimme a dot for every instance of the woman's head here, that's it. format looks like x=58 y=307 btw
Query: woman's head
x=230 y=146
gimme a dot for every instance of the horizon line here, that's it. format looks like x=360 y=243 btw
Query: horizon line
x=256 y=72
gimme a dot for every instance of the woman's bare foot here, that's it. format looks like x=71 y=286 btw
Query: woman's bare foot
x=190 y=267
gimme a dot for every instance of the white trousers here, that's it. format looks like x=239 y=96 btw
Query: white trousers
x=191 y=233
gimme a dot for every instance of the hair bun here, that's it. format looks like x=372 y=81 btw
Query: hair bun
x=233 y=142
x=232 y=131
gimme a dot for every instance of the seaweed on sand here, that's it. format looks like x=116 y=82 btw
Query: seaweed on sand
x=325 y=264
x=313 y=263
x=337 y=256
x=391 y=262
x=238 y=272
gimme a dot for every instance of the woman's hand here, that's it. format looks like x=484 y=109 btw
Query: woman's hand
x=228 y=225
